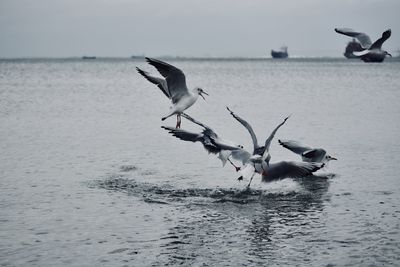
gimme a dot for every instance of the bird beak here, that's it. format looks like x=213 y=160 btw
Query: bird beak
x=201 y=94
x=332 y=158
x=389 y=54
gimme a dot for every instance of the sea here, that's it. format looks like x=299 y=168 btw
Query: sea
x=89 y=178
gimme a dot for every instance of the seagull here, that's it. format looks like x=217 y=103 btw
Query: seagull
x=173 y=85
x=259 y=162
x=277 y=170
x=372 y=51
x=212 y=142
x=308 y=154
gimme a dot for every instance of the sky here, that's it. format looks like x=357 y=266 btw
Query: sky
x=190 y=28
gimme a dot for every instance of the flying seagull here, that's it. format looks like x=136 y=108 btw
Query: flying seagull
x=260 y=160
x=212 y=142
x=372 y=51
x=308 y=154
x=173 y=85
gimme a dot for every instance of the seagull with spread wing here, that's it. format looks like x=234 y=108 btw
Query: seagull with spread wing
x=308 y=154
x=260 y=161
x=173 y=85
x=372 y=51
x=212 y=142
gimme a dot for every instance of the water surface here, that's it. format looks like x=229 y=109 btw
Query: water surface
x=89 y=178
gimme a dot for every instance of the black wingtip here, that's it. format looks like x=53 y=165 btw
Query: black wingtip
x=163 y=119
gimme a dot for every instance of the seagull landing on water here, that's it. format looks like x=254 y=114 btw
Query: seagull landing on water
x=372 y=51
x=308 y=154
x=212 y=142
x=259 y=161
x=173 y=85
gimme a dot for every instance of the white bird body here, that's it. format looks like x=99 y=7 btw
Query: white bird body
x=173 y=85
x=184 y=103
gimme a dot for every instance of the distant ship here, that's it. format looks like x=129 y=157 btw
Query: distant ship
x=351 y=47
x=281 y=53
x=86 y=57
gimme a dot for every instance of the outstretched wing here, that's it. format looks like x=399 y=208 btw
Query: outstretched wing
x=161 y=83
x=294 y=146
x=175 y=78
x=363 y=38
x=272 y=135
x=286 y=169
x=316 y=154
x=378 y=43
x=247 y=126
x=183 y=135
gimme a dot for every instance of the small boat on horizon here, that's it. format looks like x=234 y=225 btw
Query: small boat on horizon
x=88 y=57
x=281 y=53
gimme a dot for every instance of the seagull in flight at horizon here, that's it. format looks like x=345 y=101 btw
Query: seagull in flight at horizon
x=372 y=51
x=173 y=85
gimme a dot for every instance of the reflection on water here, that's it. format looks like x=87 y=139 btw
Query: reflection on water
x=208 y=217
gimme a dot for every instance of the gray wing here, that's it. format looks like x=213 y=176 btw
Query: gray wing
x=378 y=43
x=272 y=135
x=207 y=142
x=247 y=126
x=175 y=78
x=161 y=83
x=183 y=135
x=363 y=38
x=294 y=146
x=314 y=155
x=208 y=137
x=286 y=169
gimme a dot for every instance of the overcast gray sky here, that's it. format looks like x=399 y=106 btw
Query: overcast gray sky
x=64 y=28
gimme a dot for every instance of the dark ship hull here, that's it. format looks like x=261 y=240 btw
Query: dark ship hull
x=279 y=54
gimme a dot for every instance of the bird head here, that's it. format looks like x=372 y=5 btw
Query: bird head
x=201 y=92
x=387 y=54
x=328 y=158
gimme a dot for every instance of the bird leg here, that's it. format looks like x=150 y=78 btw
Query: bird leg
x=251 y=179
x=178 y=121
x=236 y=167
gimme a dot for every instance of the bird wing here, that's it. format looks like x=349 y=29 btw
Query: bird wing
x=207 y=142
x=294 y=146
x=272 y=135
x=378 y=43
x=210 y=138
x=175 y=78
x=361 y=53
x=316 y=154
x=247 y=126
x=286 y=169
x=161 y=83
x=183 y=135
x=363 y=38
